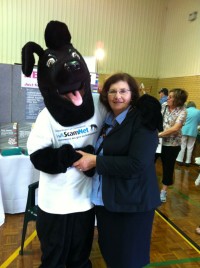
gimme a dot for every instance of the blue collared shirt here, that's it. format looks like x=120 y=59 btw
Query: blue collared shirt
x=111 y=121
x=163 y=99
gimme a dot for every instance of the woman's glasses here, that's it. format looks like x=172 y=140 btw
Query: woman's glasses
x=122 y=91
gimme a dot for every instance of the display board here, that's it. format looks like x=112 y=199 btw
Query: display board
x=20 y=101
x=5 y=92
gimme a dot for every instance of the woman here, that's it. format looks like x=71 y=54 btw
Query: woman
x=125 y=189
x=189 y=134
x=174 y=116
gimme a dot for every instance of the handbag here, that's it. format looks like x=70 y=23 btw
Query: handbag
x=159 y=147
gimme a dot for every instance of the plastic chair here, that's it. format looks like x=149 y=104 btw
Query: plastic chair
x=30 y=212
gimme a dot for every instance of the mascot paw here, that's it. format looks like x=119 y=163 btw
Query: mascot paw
x=90 y=172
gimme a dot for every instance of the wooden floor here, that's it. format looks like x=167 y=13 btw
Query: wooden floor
x=174 y=241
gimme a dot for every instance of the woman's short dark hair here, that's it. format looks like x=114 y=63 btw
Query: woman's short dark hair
x=180 y=96
x=133 y=85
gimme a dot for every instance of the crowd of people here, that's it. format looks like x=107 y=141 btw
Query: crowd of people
x=180 y=130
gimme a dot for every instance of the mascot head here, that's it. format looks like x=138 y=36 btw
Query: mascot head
x=63 y=76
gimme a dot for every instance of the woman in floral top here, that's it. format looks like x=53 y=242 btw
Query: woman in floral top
x=174 y=116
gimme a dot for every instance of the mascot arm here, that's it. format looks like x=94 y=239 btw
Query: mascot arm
x=150 y=109
x=54 y=161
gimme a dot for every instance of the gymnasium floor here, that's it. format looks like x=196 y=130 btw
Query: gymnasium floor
x=174 y=241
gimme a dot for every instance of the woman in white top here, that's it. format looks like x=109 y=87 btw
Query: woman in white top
x=189 y=132
x=174 y=116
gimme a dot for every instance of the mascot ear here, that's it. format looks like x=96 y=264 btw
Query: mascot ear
x=150 y=109
x=28 y=59
x=57 y=35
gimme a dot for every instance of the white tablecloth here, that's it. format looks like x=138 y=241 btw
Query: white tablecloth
x=16 y=173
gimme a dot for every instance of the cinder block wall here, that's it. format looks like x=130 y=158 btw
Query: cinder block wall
x=190 y=83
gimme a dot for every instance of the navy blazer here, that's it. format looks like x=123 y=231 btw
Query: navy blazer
x=129 y=182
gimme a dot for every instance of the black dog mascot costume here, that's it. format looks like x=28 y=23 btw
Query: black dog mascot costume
x=72 y=119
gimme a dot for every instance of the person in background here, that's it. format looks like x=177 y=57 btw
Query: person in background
x=163 y=95
x=197 y=183
x=189 y=134
x=125 y=188
x=197 y=230
x=174 y=116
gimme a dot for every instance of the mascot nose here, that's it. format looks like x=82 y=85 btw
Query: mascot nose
x=72 y=66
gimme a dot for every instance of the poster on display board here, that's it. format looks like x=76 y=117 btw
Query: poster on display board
x=94 y=82
x=24 y=130
x=8 y=135
x=94 y=76
x=33 y=99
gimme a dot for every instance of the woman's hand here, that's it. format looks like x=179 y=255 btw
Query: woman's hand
x=172 y=130
x=86 y=162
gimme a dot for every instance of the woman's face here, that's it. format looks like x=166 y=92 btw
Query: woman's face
x=119 y=97
x=170 y=100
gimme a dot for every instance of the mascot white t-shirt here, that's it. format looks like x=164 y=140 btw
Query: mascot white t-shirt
x=67 y=192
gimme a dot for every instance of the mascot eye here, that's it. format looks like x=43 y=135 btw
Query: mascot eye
x=75 y=55
x=50 y=62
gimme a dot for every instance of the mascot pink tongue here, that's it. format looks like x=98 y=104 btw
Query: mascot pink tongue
x=75 y=98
